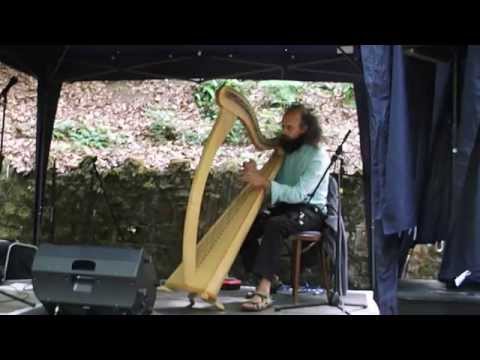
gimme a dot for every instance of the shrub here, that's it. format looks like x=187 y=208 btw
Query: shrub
x=162 y=128
x=204 y=95
x=282 y=94
x=80 y=134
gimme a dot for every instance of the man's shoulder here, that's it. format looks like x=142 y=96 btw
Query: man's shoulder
x=314 y=151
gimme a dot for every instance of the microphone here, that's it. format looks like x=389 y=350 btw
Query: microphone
x=340 y=147
x=346 y=136
x=12 y=82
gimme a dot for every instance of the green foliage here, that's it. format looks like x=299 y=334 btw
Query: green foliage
x=330 y=87
x=162 y=128
x=270 y=121
x=344 y=90
x=204 y=95
x=162 y=132
x=348 y=95
x=282 y=94
x=238 y=135
x=195 y=137
x=271 y=128
x=81 y=135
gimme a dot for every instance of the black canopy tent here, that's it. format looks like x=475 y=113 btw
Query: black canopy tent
x=89 y=63
x=53 y=65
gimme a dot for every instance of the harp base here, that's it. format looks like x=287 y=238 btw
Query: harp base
x=208 y=298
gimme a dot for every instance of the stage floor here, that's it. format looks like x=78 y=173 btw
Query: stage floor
x=176 y=303
x=430 y=297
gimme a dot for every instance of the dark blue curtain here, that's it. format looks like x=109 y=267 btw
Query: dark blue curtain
x=400 y=102
x=435 y=207
x=462 y=251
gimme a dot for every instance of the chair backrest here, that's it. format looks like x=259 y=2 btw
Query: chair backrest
x=4 y=247
x=332 y=202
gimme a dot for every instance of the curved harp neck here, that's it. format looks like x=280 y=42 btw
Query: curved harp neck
x=232 y=101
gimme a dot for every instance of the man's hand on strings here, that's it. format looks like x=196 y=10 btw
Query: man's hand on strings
x=254 y=179
x=252 y=176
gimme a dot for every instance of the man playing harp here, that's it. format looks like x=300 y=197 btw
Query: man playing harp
x=289 y=210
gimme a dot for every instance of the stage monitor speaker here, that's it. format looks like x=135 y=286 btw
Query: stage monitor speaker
x=16 y=260
x=94 y=280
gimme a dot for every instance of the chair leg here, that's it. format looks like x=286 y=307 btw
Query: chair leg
x=297 y=253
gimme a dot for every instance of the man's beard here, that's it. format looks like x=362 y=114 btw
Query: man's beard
x=291 y=145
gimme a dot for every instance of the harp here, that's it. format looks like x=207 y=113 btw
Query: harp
x=206 y=263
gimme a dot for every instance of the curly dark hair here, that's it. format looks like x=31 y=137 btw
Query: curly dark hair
x=314 y=134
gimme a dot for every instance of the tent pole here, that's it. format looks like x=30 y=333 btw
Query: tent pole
x=363 y=112
x=48 y=93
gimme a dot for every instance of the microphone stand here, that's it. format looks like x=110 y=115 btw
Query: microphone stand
x=3 y=129
x=336 y=297
x=107 y=200
x=53 y=201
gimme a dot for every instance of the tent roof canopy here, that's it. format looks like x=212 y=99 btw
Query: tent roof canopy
x=71 y=63
x=54 y=64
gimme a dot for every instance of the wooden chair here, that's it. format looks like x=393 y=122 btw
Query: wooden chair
x=310 y=239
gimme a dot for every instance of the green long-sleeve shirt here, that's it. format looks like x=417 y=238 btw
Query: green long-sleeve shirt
x=299 y=175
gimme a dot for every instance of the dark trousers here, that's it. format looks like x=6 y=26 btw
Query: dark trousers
x=262 y=248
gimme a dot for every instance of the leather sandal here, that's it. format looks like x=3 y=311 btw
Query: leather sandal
x=257 y=306
x=276 y=284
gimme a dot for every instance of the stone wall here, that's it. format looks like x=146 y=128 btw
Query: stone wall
x=150 y=208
